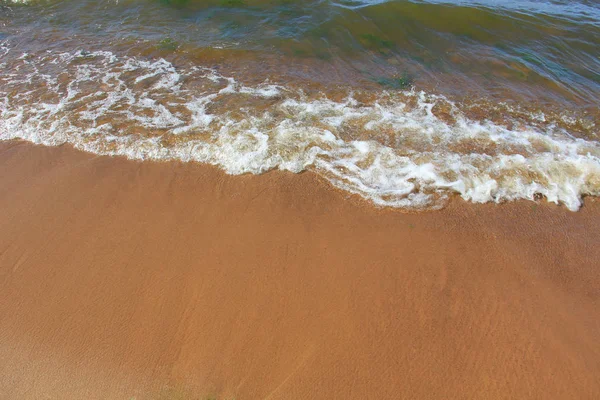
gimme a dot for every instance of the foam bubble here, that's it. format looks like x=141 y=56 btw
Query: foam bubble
x=395 y=150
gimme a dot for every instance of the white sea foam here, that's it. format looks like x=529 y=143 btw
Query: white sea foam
x=393 y=151
x=20 y=2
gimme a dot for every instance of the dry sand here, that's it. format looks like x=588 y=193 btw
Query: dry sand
x=121 y=280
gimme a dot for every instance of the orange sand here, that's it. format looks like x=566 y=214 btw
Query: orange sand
x=123 y=280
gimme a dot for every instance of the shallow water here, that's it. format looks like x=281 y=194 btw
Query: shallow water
x=401 y=102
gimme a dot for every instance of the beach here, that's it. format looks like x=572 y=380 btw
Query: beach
x=123 y=279
x=299 y=199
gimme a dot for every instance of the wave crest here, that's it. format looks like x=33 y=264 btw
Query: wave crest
x=402 y=149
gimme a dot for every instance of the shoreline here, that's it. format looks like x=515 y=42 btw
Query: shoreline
x=148 y=280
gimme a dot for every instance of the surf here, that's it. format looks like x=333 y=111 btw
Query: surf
x=404 y=148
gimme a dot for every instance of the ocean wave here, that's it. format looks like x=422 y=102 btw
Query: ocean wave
x=15 y=1
x=407 y=149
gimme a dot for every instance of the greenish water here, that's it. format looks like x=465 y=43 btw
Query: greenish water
x=536 y=50
x=481 y=83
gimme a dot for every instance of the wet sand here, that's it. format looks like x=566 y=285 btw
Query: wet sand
x=122 y=280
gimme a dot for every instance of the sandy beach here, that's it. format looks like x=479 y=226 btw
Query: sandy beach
x=143 y=280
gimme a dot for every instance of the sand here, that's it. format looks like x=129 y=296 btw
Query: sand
x=121 y=280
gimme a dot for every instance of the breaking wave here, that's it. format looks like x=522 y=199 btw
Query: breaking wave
x=407 y=149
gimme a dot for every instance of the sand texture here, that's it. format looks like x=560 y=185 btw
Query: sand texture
x=121 y=280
